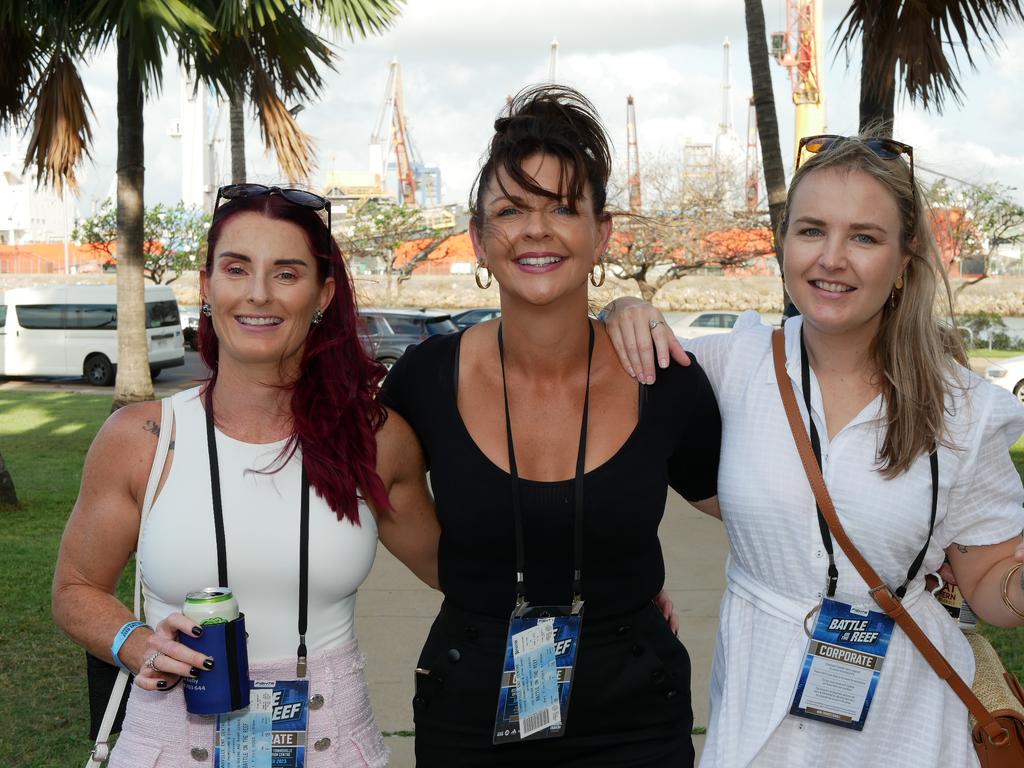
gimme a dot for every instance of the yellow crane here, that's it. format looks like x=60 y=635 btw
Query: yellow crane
x=800 y=50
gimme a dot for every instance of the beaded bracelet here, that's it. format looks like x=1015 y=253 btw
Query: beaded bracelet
x=119 y=638
x=1006 y=590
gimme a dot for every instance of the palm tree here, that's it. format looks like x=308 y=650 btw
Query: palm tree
x=767 y=121
x=913 y=38
x=276 y=57
x=56 y=38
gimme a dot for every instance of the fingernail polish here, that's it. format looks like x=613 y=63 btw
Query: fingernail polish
x=631 y=372
x=208 y=663
x=194 y=672
x=663 y=362
x=161 y=684
x=197 y=631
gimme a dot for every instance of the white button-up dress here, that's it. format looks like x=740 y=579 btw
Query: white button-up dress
x=777 y=563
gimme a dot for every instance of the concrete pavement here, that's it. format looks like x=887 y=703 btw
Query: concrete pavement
x=395 y=612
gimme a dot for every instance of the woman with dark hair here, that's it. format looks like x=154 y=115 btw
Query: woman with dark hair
x=550 y=468
x=913 y=448
x=287 y=415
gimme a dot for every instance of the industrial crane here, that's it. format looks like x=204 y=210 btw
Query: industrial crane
x=753 y=162
x=799 y=49
x=391 y=118
x=632 y=157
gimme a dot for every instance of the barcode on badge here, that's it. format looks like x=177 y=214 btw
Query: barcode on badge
x=540 y=720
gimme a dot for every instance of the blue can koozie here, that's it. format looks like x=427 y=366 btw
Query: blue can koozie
x=225 y=688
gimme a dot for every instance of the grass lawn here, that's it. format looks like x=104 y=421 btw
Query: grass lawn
x=43 y=700
x=44 y=704
x=995 y=354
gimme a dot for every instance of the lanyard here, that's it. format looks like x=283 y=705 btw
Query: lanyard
x=826 y=535
x=577 y=578
x=222 y=558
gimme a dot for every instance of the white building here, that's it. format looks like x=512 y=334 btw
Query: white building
x=27 y=214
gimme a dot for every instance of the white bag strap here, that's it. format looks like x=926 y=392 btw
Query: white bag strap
x=101 y=750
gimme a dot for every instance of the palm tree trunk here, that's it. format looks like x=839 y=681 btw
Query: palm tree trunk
x=237 y=125
x=878 y=97
x=767 y=122
x=7 y=495
x=133 y=382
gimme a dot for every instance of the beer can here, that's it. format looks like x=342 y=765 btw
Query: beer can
x=225 y=687
x=212 y=605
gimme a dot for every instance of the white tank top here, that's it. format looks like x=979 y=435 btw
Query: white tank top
x=178 y=551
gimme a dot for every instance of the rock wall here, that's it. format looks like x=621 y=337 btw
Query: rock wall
x=1002 y=295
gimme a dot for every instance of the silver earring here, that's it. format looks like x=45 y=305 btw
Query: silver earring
x=476 y=276
x=318 y=317
x=206 y=309
x=597 y=275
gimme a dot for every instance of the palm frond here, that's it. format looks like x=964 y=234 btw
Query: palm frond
x=362 y=17
x=20 y=56
x=293 y=146
x=921 y=39
x=149 y=26
x=61 y=132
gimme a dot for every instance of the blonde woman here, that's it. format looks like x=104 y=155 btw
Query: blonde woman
x=884 y=382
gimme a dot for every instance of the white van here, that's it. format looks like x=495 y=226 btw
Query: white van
x=71 y=330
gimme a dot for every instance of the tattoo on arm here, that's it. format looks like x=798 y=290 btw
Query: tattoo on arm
x=152 y=426
x=961 y=549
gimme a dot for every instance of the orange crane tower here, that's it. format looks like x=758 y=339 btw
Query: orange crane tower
x=632 y=157
x=393 y=111
x=799 y=49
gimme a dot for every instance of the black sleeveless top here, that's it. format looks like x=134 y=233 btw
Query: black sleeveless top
x=676 y=442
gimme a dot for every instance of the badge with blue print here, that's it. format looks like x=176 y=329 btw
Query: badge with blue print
x=842 y=665
x=271 y=733
x=536 y=680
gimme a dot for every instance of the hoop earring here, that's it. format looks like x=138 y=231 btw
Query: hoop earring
x=897 y=286
x=206 y=309
x=318 y=316
x=476 y=276
x=595 y=280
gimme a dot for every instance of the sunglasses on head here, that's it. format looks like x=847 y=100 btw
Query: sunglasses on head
x=887 y=149
x=298 y=197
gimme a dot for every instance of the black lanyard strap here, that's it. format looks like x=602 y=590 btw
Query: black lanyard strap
x=222 y=557
x=517 y=510
x=826 y=536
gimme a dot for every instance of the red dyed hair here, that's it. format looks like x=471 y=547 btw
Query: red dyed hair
x=334 y=408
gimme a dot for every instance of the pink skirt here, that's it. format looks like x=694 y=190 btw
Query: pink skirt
x=159 y=733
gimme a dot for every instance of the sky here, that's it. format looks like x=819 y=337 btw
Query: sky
x=461 y=58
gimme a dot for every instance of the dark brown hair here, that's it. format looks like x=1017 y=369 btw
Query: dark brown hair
x=554 y=120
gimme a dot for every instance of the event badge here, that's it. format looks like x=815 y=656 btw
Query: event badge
x=271 y=733
x=536 y=680
x=842 y=665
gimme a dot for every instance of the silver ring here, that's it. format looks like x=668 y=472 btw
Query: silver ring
x=655 y=323
x=151 y=660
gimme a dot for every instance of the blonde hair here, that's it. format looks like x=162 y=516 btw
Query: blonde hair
x=916 y=351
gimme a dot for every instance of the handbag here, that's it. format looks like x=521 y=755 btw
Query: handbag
x=106 y=679
x=996 y=708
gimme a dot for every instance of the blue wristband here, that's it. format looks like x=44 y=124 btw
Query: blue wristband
x=119 y=638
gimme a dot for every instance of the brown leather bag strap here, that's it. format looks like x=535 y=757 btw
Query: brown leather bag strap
x=879 y=591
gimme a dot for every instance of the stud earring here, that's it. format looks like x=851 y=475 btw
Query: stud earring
x=206 y=309
x=597 y=275
x=318 y=316
x=476 y=276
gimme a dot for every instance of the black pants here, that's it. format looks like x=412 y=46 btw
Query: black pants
x=630 y=702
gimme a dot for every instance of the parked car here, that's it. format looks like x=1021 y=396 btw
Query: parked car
x=704 y=323
x=389 y=332
x=473 y=316
x=1008 y=374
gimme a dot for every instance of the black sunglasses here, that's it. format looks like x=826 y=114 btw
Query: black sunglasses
x=887 y=149
x=298 y=197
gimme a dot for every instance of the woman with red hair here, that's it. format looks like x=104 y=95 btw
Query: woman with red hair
x=286 y=421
